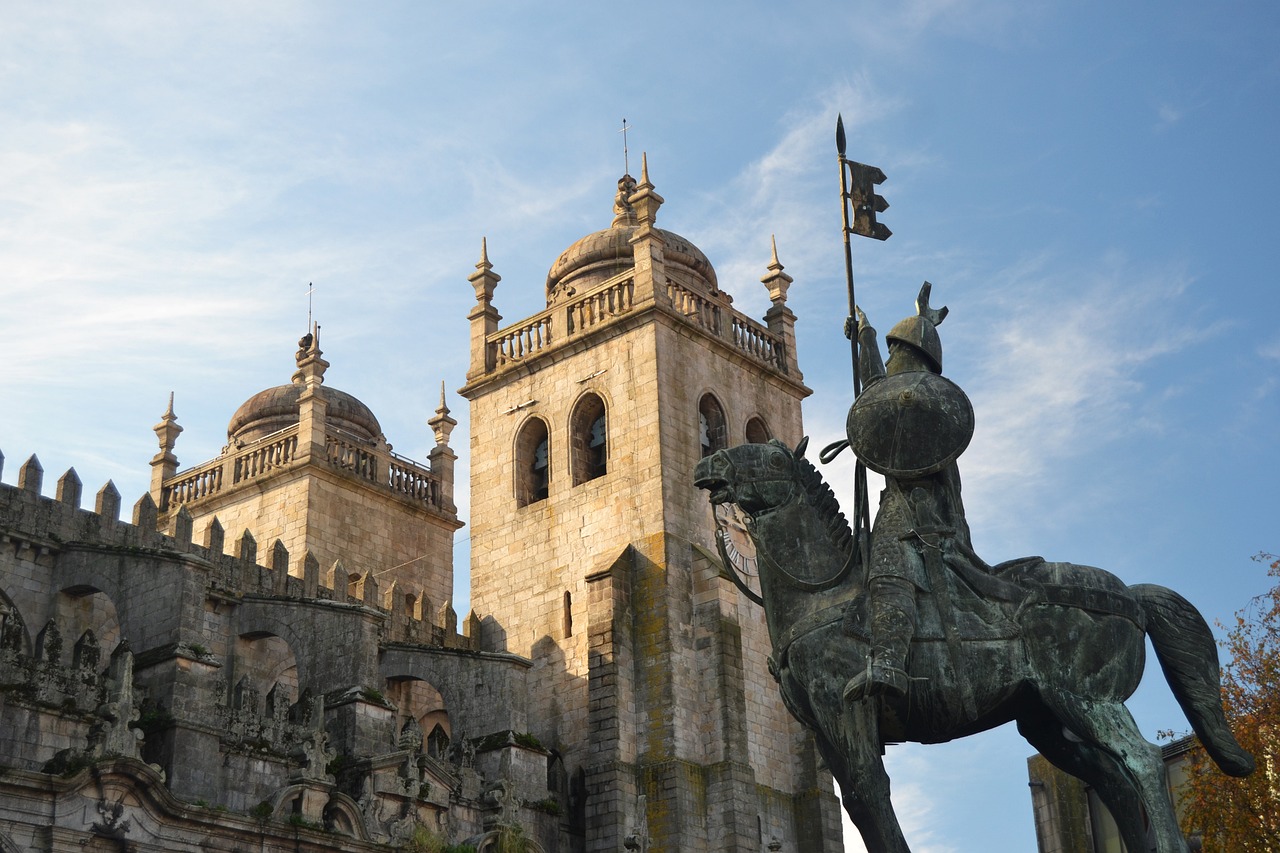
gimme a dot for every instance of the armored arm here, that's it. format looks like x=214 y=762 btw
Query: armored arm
x=870 y=363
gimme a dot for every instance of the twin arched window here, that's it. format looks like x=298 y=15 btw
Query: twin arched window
x=588 y=450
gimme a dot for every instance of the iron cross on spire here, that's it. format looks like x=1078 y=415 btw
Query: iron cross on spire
x=626 y=157
x=311 y=288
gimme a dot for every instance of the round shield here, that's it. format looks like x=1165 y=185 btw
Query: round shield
x=910 y=424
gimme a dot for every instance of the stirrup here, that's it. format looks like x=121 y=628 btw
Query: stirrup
x=877 y=679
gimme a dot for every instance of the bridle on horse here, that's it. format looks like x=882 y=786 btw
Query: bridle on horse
x=732 y=571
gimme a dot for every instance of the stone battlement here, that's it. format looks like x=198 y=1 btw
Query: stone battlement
x=410 y=616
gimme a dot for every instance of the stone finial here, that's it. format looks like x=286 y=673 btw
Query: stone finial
x=69 y=488
x=1 y=463
x=114 y=734
x=471 y=627
x=145 y=514
x=410 y=735
x=310 y=575
x=31 y=475
x=215 y=536
x=442 y=425
x=623 y=212
x=248 y=547
x=279 y=557
x=279 y=568
x=107 y=502
x=369 y=589
x=777 y=281
x=644 y=199
x=183 y=526
x=336 y=579
x=447 y=618
x=167 y=430
x=484 y=279
x=311 y=366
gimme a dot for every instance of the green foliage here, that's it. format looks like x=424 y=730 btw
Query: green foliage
x=550 y=806
x=373 y=694
x=1243 y=815
x=528 y=739
x=424 y=840
x=262 y=811
x=338 y=764
x=511 y=839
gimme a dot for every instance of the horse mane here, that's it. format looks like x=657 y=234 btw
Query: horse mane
x=823 y=500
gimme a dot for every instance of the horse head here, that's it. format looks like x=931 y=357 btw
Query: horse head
x=757 y=477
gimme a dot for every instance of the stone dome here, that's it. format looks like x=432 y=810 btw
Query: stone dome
x=277 y=408
x=604 y=254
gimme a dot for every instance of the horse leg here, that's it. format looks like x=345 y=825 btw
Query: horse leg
x=1094 y=766
x=864 y=784
x=1108 y=726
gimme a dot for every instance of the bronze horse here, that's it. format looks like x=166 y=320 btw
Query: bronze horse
x=1055 y=647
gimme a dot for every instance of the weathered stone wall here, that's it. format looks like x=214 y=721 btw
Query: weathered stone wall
x=228 y=661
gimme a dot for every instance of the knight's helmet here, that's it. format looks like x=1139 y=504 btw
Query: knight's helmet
x=920 y=331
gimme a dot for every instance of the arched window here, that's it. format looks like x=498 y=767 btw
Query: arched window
x=568 y=614
x=589 y=439
x=533 y=462
x=712 y=433
x=757 y=432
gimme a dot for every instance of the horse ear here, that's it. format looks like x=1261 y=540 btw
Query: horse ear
x=800 y=448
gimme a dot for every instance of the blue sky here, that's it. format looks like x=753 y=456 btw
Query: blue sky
x=1091 y=187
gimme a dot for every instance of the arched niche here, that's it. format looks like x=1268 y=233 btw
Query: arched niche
x=262 y=663
x=757 y=431
x=85 y=610
x=588 y=439
x=421 y=702
x=532 y=462
x=713 y=430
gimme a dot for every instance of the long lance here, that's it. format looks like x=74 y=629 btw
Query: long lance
x=866 y=203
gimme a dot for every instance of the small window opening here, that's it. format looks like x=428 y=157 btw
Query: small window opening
x=757 y=432
x=533 y=463
x=589 y=431
x=712 y=432
x=568 y=614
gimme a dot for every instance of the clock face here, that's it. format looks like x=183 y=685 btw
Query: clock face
x=731 y=527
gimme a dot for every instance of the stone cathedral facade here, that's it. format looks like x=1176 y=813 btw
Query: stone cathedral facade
x=262 y=653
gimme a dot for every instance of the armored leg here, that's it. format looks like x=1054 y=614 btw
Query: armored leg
x=893 y=625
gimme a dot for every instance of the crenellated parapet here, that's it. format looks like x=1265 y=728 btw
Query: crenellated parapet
x=41 y=528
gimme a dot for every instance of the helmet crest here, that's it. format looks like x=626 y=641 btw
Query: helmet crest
x=920 y=330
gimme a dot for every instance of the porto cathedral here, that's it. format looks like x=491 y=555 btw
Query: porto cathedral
x=261 y=653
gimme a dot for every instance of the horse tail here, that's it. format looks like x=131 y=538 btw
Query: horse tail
x=1189 y=657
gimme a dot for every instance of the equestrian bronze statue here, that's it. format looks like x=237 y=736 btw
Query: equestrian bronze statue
x=913 y=637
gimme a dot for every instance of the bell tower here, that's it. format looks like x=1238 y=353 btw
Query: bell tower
x=593 y=554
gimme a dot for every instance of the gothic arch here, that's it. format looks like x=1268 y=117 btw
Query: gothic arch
x=84 y=610
x=14 y=635
x=713 y=427
x=422 y=702
x=756 y=430
x=588 y=438
x=532 y=462
x=263 y=662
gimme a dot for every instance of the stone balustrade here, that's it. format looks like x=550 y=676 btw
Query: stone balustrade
x=616 y=298
x=344 y=452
